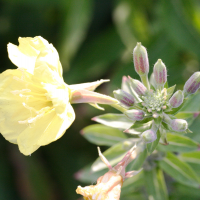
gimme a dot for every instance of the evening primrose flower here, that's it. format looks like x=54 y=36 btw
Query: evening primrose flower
x=35 y=102
x=109 y=185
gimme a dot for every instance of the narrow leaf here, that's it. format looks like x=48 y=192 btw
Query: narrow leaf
x=114 y=120
x=152 y=146
x=155 y=184
x=179 y=170
x=102 y=135
x=178 y=143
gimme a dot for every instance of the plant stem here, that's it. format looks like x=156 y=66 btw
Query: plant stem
x=118 y=107
x=145 y=81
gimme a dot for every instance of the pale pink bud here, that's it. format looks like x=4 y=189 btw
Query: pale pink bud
x=160 y=73
x=86 y=96
x=140 y=59
x=177 y=99
x=192 y=84
x=179 y=125
x=124 y=97
x=138 y=87
x=149 y=136
x=135 y=115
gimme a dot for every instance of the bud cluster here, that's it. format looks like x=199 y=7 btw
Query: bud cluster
x=150 y=102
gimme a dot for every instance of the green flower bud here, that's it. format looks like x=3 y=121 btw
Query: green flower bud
x=192 y=84
x=124 y=97
x=160 y=73
x=138 y=87
x=177 y=99
x=135 y=115
x=140 y=59
x=179 y=125
x=149 y=136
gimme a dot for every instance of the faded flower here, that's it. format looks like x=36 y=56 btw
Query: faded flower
x=109 y=185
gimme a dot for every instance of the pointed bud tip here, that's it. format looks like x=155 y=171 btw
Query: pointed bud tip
x=82 y=132
x=94 y=119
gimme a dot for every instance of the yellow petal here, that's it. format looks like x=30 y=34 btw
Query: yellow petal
x=27 y=140
x=24 y=55
x=47 y=129
x=57 y=127
x=11 y=108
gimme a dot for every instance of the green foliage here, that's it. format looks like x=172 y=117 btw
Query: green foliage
x=92 y=46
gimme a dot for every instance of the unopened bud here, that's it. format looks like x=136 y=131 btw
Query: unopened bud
x=149 y=136
x=177 y=99
x=160 y=73
x=140 y=59
x=138 y=87
x=179 y=125
x=124 y=97
x=135 y=115
x=192 y=84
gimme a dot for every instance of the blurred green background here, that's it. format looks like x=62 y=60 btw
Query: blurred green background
x=95 y=39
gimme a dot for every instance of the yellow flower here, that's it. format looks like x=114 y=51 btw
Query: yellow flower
x=109 y=185
x=35 y=102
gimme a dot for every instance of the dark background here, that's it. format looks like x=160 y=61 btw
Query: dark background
x=94 y=39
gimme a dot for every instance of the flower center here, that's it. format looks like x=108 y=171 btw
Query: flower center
x=155 y=100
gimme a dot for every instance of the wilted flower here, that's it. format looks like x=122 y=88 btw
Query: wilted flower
x=109 y=185
x=35 y=102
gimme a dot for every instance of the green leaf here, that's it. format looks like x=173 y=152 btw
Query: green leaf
x=179 y=170
x=103 y=135
x=139 y=127
x=191 y=157
x=188 y=116
x=114 y=154
x=135 y=196
x=114 y=120
x=138 y=162
x=155 y=184
x=132 y=184
x=95 y=56
x=170 y=91
x=192 y=103
x=86 y=175
x=179 y=29
x=152 y=146
x=76 y=19
x=178 y=143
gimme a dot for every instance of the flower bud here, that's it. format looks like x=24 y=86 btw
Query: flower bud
x=192 y=84
x=138 y=87
x=140 y=59
x=160 y=73
x=124 y=97
x=149 y=136
x=177 y=99
x=135 y=115
x=179 y=125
